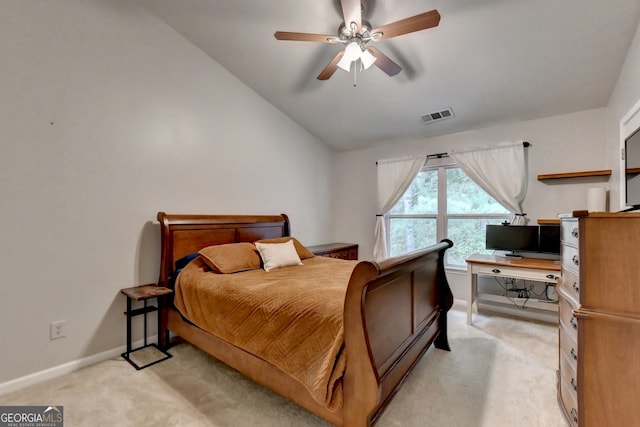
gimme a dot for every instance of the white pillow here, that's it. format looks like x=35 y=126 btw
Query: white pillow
x=276 y=255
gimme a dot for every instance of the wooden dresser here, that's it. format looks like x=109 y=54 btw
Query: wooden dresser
x=336 y=250
x=599 y=310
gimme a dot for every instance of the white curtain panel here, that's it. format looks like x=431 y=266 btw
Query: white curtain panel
x=394 y=177
x=501 y=171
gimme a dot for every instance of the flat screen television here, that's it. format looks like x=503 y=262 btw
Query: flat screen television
x=549 y=239
x=514 y=238
x=632 y=170
x=524 y=238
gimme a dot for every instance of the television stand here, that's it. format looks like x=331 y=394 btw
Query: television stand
x=539 y=270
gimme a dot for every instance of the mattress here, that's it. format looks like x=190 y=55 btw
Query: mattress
x=291 y=317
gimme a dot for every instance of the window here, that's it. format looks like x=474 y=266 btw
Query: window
x=443 y=202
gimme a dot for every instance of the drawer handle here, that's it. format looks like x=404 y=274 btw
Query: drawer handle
x=574 y=232
x=575 y=260
x=574 y=323
x=576 y=287
x=551 y=276
x=574 y=384
x=495 y=270
x=574 y=354
x=574 y=415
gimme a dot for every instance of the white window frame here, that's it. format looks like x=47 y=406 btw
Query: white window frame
x=442 y=217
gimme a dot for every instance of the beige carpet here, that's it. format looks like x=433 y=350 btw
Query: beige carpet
x=501 y=372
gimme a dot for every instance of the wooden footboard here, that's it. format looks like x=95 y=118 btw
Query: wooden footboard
x=393 y=312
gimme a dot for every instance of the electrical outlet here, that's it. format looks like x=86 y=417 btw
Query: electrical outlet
x=58 y=329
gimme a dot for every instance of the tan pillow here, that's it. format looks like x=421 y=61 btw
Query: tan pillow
x=231 y=257
x=302 y=251
x=276 y=255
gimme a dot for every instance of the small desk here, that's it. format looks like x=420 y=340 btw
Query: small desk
x=540 y=270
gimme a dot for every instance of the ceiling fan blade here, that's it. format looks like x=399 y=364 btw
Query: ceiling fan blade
x=352 y=13
x=408 y=25
x=384 y=62
x=331 y=67
x=304 y=37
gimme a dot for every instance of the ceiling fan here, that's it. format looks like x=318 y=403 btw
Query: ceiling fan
x=355 y=34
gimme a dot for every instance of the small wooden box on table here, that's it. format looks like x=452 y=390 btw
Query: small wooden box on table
x=144 y=293
x=336 y=250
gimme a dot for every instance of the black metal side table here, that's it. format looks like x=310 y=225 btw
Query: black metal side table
x=144 y=293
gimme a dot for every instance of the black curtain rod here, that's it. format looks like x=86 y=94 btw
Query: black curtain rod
x=443 y=155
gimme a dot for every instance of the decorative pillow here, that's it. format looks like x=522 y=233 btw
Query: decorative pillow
x=231 y=257
x=276 y=255
x=302 y=251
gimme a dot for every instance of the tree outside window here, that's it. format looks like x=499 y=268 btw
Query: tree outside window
x=442 y=202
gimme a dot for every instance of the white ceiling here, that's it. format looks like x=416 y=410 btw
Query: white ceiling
x=491 y=61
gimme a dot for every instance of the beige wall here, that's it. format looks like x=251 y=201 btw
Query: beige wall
x=106 y=117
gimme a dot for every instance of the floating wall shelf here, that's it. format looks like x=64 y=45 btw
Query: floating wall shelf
x=585 y=174
x=548 y=221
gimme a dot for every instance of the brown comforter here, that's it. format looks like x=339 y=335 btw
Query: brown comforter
x=291 y=317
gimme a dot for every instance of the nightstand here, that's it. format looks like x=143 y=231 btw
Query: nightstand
x=336 y=250
x=144 y=293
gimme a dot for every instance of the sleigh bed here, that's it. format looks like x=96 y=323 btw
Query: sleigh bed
x=380 y=317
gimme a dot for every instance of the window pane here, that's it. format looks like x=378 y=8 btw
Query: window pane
x=468 y=237
x=421 y=197
x=465 y=197
x=409 y=234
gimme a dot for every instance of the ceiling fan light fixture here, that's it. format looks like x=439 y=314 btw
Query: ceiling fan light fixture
x=344 y=63
x=367 y=59
x=351 y=53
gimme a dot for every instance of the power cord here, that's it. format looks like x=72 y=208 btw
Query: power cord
x=510 y=285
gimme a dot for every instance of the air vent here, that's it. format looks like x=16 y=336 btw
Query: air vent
x=436 y=116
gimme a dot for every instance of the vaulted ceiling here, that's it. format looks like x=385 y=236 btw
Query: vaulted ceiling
x=490 y=61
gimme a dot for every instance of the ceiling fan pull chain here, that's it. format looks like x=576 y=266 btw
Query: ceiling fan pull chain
x=355 y=75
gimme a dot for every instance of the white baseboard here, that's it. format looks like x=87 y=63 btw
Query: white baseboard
x=510 y=310
x=459 y=304
x=66 y=368
x=546 y=316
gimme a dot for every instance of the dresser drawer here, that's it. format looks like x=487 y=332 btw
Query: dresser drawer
x=336 y=250
x=519 y=273
x=343 y=254
x=568 y=353
x=570 y=286
x=570 y=258
x=569 y=379
x=569 y=232
x=569 y=400
x=567 y=320
x=569 y=376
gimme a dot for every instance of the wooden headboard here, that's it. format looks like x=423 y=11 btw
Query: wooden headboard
x=184 y=234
